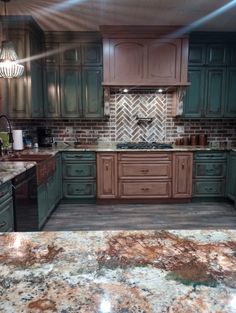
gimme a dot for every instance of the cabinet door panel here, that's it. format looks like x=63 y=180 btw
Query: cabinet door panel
x=231 y=177
x=216 y=54
x=52 y=97
x=208 y=170
x=37 y=89
x=126 y=60
x=70 y=56
x=70 y=92
x=193 y=101
x=164 y=61
x=233 y=54
x=42 y=204
x=107 y=175
x=230 y=106
x=92 y=54
x=79 y=189
x=182 y=175
x=6 y=216
x=81 y=170
x=92 y=92
x=152 y=171
x=144 y=189
x=215 y=92
x=208 y=188
x=197 y=54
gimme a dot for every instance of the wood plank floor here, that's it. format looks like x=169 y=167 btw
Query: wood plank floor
x=204 y=215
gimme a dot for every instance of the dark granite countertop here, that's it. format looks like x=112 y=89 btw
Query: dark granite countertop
x=118 y=271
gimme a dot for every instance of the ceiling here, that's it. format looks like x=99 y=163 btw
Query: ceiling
x=86 y=15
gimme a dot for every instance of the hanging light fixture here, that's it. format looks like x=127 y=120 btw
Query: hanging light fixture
x=9 y=66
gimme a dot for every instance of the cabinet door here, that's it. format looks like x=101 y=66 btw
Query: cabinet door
x=164 y=59
x=52 y=53
x=42 y=204
x=92 y=54
x=182 y=175
x=107 y=175
x=232 y=54
x=70 y=56
x=215 y=79
x=216 y=54
x=71 y=92
x=37 y=89
x=51 y=89
x=58 y=179
x=193 y=100
x=231 y=177
x=197 y=54
x=230 y=104
x=92 y=92
x=126 y=61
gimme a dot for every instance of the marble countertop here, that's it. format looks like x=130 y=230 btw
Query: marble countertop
x=118 y=272
x=9 y=170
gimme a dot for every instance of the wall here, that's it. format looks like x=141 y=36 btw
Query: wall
x=122 y=124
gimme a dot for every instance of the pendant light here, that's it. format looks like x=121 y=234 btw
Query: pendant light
x=9 y=66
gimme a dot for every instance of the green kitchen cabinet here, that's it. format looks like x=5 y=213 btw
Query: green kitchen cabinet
x=92 y=54
x=231 y=176
x=42 y=204
x=217 y=54
x=197 y=54
x=23 y=95
x=215 y=92
x=71 y=92
x=230 y=104
x=6 y=208
x=92 y=92
x=193 y=103
x=70 y=56
x=58 y=179
x=79 y=177
x=232 y=55
x=51 y=92
x=209 y=174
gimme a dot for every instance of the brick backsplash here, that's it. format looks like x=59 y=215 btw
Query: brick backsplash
x=123 y=109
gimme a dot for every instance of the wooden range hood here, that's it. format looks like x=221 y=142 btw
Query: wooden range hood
x=144 y=57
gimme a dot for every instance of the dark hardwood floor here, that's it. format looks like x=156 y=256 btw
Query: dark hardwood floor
x=204 y=215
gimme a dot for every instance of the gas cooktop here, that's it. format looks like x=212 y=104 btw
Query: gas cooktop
x=144 y=145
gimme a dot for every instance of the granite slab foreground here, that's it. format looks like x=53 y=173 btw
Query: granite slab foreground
x=118 y=272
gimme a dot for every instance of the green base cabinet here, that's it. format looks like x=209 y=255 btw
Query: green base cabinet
x=79 y=176
x=6 y=208
x=231 y=177
x=209 y=174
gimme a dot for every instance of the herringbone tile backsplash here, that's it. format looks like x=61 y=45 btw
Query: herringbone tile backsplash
x=129 y=107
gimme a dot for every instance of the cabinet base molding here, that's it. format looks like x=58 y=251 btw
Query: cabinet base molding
x=142 y=201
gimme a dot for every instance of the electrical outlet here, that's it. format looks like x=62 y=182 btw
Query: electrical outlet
x=180 y=129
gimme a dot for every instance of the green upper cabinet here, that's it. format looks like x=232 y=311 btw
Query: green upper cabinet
x=212 y=74
x=195 y=92
x=92 y=92
x=92 y=54
x=197 y=54
x=70 y=56
x=215 y=81
x=230 y=106
x=24 y=96
x=71 y=94
x=217 y=54
x=51 y=92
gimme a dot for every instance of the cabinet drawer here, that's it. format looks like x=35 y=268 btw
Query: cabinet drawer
x=79 y=189
x=147 y=157
x=5 y=191
x=145 y=189
x=79 y=170
x=214 y=169
x=209 y=188
x=139 y=170
x=78 y=156
x=210 y=156
x=6 y=216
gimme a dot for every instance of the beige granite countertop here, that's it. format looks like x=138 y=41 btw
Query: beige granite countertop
x=9 y=170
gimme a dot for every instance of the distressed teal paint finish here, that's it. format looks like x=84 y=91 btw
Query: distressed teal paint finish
x=231 y=177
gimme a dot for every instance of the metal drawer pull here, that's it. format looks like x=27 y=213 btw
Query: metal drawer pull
x=144 y=171
x=3 y=224
x=79 y=190
x=182 y=166
x=2 y=194
x=144 y=189
x=79 y=171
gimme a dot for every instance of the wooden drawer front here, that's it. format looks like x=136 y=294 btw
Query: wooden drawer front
x=210 y=156
x=145 y=189
x=139 y=170
x=6 y=216
x=208 y=188
x=79 y=189
x=147 y=157
x=79 y=170
x=78 y=156
x=5 y=191
x=214 y=169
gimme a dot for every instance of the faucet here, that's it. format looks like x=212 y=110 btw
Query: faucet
x=9 y=133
